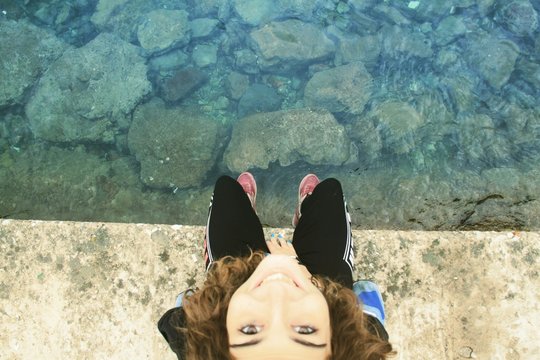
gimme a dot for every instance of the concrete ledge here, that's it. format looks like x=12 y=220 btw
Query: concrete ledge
x=96 y=290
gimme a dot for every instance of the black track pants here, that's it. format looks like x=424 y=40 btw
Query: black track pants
x=322 y=238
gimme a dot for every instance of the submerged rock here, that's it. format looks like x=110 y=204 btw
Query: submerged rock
x=247 y=61
x=204 y=55
x=367 y=137
x=494 y=59
x=428 y=10
x=176 y=147
x=258 y=98
x=449 y=29
x=203 y=27
x=14 y=129
x=460 y=88
x=399 y=41
x=284 y=46
x=26 y=51
x=390 y=14
x=171 y=60
x=519 y=17
x=530 y=71
x=89 y=92
x=353 y=48
x=105 y=9
x=62 y=183
x=345 y=88
x=121 y=17
x=210 y=8
x=257 y=12
x=236 y=85
x=481 y=143
x=397 y=123
x=183 y=83
x=313 y=136
x=164 y=29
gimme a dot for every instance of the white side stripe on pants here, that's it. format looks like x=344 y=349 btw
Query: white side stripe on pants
x=348 y=255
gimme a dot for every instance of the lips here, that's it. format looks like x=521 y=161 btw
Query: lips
x=278 y=277
x=279 y=264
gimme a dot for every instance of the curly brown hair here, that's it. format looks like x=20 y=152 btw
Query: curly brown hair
x=206 y=314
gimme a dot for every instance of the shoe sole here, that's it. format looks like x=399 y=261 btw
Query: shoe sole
x=252 y=181
x=297 y=213
x=303 y=182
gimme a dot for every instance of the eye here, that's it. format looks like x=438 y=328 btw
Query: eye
x=304 y=330
x=250 y=329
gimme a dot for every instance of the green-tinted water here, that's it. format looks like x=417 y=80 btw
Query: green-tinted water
x=129 y=110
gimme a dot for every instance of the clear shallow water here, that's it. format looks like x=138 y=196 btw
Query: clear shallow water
x=128 y=111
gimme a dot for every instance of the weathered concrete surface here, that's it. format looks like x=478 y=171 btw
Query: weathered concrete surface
x=96 y=290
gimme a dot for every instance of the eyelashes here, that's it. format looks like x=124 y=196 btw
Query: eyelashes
x=251 y=329
x=304 y=330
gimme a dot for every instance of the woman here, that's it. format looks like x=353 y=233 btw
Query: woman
x=277 y=299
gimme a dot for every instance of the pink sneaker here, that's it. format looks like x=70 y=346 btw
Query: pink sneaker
x=307 y=185
x=247 y=181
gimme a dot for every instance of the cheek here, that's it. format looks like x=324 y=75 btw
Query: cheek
x=313 y=311
x=315 y=305
x=241 y=310
x=232 y=313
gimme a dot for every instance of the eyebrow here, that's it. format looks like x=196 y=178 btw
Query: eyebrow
x=299 y=341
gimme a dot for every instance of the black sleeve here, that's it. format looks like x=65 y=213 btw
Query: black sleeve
x=376 y=328
x=168 y=324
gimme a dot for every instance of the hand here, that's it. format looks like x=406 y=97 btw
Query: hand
x=279 y=246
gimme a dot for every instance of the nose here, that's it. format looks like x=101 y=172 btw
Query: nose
x=277 y=298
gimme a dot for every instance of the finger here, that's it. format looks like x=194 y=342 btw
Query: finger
x=280 y=240
x=273 y=241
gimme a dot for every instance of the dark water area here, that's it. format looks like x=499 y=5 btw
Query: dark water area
x=428 y=112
